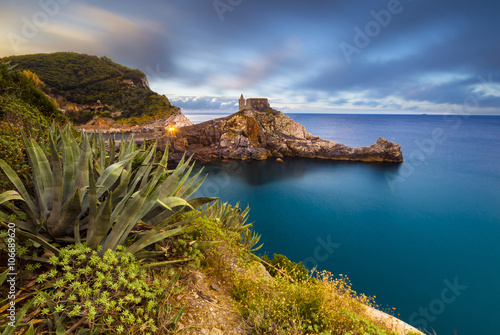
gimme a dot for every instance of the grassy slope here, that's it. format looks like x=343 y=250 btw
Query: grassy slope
x=79 y=81
x=22 y=106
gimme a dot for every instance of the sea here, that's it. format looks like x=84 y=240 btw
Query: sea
x=423 y=236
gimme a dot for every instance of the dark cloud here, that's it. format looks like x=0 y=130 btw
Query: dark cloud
x=428 y=52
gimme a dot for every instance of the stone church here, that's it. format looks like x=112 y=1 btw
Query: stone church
x=254 y=103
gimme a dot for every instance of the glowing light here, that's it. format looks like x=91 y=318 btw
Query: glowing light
x=171 y=129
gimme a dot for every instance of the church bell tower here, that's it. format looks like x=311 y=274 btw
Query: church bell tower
x=242 y=103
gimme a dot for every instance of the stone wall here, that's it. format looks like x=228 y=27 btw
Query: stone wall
x=257 y=103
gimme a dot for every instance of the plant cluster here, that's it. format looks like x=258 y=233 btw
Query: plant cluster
x=233 y=219
x=281 y=264
x=90 y=194
x=108 y=294
x=322 y=305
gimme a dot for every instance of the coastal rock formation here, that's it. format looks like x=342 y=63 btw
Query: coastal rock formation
x=161 y=126
x=177 y=120
x=264 y=133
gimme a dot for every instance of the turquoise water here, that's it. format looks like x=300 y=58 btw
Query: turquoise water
x=422 y=236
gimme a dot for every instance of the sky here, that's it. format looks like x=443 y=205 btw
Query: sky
x=336 y=56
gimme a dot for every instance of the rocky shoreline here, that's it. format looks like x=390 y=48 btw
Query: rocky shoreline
x=258 y=135
x=249 y=134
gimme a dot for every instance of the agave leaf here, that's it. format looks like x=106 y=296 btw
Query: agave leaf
x=157 y=215
x=172 y=183
x=102 y=224
x=10 y=195
x=44 y=181
x=109 y=177
x=147 y=172
x=123 y=187
x=118 y=207
x=122 y=148
x=69 y=164
x=55 y=210
x=126 y=147
x=162 y=166
x=26 y=225
x=38 y=239
x=14 y=178
x=153 y=236
x=102 y=152
x=166 y=189
x=148 y=165
x=70 y=212
x=250 y=239
x=192 y=185
x=112 y=149
x=200 y=201
x=126 y=220
x=82 y=174
x=92 y=205
x=160 y=217
x=181 y=182
x=170 y=202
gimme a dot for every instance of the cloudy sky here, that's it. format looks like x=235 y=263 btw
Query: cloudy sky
x=336 y=56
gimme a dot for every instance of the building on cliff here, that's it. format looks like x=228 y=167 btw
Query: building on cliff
x=254 y=103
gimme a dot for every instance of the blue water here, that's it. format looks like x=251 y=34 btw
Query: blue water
x=422 y=236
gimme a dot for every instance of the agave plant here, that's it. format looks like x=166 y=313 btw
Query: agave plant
x=232 y=218
x=81 y=191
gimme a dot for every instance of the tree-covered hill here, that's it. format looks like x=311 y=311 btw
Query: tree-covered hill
x=85 y=86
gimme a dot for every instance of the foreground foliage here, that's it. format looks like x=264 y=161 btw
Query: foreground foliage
x=89 y=195
x=22 y=106
x=320 y=305
x=109 y=294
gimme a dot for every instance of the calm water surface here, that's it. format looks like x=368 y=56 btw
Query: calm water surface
x=422 y=236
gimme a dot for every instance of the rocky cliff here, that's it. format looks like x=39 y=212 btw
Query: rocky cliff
x=255 y=134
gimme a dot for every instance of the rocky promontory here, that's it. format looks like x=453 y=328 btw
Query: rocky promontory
x=267 y=133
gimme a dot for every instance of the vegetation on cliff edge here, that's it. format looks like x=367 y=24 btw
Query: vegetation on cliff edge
x=86 y=86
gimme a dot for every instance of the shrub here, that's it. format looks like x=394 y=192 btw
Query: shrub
x=280 y=263
x=321 y=305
